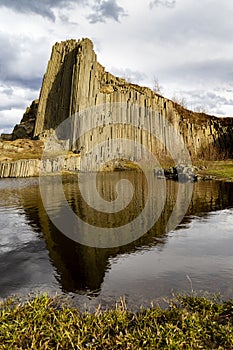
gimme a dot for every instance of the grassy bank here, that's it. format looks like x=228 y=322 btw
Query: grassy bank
x=21 y=149
x=189 y=323
x=220 y=169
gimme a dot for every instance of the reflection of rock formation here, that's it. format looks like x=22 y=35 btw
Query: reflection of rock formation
x=75 y=81
x=82 y=268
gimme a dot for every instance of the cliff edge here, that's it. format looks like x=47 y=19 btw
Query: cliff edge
x=74 y=82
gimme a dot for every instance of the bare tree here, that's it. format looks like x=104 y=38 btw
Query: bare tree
x=127 y=78
x=200 y=109
x=180 y=100
x=156 y=86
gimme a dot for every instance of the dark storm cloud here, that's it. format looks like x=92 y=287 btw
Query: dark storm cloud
x=43 y=7
x=211 y=70
x=6 y=90
x=165 y=3
x=17 y=63
x=12 y=105
x=30 y=83
x=102 y=9
x=108 y=9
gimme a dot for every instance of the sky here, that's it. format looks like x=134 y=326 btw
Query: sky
x=184 y=45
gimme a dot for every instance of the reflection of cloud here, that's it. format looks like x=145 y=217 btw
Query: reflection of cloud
x=25 y=265
x=166 y=3
x=43 y=7
x=106 y=9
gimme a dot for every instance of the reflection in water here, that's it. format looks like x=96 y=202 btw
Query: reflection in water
x=112 y=224
x=147 y=268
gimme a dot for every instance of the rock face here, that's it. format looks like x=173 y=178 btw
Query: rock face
x=181 y=173
x=25 y=129
x=6 y=137
x=75 y=81
x=31 y=167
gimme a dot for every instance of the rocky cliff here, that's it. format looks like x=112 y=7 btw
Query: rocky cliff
x=31 y=167
x=75 y=81
x=25 y=130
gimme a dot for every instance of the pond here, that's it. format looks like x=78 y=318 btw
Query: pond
x=193 y=251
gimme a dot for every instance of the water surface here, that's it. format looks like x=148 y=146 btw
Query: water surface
x=35 y=256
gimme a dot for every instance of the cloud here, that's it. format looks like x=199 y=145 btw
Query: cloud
x=9 y=118
x=14 y=98
x=186 y=44
x=43 y=8
x=6 y=90
x=65 y=19
x=104 y=9
x=128 y=74
x=33 y=83
x=13 y=102
x=17 y=61
x=208 y=70
x=207 y=101
x=165 y=3
x=14 y=105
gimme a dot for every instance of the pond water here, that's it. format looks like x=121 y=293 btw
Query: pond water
x=196 y=254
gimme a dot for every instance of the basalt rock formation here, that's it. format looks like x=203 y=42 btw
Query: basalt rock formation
x=75 y=81
x=25 y=130
x=31 y=167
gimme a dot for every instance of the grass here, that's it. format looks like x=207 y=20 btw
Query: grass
x=120 y=165
x=190 y=322
x=223 y=170
x=20 y=156
x=21 y=149
x=219 y=169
